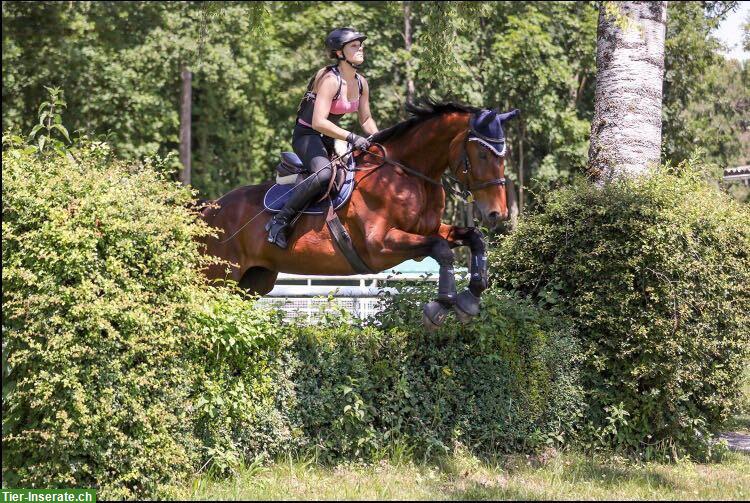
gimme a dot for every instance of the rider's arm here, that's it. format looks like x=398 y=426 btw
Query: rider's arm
x=326 y=91
x=365 y=117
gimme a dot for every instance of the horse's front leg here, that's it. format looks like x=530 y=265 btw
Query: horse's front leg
x=467 y=303
x=407 y=245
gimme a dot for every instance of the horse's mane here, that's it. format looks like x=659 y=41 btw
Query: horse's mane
x=420 y=112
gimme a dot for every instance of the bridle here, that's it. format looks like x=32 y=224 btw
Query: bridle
x=465 y=193
x=486 y=141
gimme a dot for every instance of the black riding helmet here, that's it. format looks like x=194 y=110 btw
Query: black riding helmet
x=338 y=38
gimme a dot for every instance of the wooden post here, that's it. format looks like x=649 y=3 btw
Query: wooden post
x=185 y=111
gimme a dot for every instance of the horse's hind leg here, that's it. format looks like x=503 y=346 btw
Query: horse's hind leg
x=258 y=280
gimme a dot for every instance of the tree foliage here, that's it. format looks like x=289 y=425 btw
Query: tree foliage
x=119 y=67
x=705 y=96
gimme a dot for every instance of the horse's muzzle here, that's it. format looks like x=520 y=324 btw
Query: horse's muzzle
x=494 y=218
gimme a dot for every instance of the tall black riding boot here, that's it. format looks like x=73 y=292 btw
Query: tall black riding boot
x=279 y=225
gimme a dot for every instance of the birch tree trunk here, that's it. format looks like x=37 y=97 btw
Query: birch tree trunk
x=626 y=129
x=186 y=98
x=407 y=45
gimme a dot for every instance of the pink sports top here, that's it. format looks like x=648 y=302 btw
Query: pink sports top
x=339 y=105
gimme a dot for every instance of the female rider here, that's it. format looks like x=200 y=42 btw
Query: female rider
x=334 y=91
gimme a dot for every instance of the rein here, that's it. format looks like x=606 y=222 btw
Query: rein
x=387 y=160
x=465 y=193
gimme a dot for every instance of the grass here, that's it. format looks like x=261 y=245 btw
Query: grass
x=568 y=476
x=552 y=475
x=741 y=420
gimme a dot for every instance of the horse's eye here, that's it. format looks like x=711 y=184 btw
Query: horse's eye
x=483 y=156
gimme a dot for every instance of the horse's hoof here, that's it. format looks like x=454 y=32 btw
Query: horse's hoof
x=462 y=316
x=433 y=315
x=467 y=306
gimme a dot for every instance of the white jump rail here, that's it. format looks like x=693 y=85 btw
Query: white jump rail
x=310 y=300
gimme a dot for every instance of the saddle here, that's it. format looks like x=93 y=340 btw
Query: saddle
x=290 y=172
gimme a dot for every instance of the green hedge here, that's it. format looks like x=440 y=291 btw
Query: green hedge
x=506 y=383
x=655 y=275
x=344 y=390
x=243 y=389
x=99 y=267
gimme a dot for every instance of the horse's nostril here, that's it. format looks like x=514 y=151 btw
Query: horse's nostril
x=493 y=216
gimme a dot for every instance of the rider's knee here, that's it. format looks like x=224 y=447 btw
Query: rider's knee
x=322 y=168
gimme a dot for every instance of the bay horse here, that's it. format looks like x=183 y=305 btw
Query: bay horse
x=394 y=212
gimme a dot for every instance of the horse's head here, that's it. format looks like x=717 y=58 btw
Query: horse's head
x=481 y=164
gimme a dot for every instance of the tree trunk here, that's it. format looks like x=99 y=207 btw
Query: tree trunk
x=626 y=129
x=512 y=202
x=185 y=124
x=520 y=165
x=407 y=45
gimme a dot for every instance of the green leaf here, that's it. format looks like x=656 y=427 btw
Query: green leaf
x=34 y=130
x=41 y=141
x=62 y=130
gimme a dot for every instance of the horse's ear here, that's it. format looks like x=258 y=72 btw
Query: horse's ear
x=509 y=115
x=486 y=117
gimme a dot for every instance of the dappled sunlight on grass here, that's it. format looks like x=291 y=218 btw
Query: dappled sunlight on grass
x=465 y=477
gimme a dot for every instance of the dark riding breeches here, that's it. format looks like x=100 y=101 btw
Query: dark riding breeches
x=313 y=149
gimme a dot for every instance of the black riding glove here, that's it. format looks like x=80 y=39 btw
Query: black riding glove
x=358 y=142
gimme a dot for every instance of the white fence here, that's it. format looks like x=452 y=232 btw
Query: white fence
x=312 y=296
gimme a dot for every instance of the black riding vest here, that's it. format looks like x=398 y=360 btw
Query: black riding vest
x=307 y=104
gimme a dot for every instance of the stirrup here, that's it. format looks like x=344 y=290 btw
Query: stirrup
x=276 y=231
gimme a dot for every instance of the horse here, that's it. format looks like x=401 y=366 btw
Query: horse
x=393 y=214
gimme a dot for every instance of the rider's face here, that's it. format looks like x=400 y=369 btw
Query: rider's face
x=355 y=51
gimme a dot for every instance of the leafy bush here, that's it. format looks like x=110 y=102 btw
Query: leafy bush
x=243 y=390
x=507 y=382
x=99 y=272
x=655 y=275
x=122 y=370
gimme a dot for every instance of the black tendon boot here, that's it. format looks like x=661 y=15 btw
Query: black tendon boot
x=279 y=225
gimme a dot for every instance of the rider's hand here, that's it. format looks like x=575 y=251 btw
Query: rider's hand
x=358 y=142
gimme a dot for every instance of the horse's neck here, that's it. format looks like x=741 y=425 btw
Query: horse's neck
x=427 y=147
